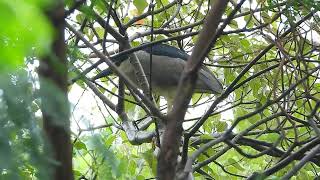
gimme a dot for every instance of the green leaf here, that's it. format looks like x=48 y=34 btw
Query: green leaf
x=221 y=126
x=132 y=167
x=229 y=75
x=100 y=31
x=266 y=18
x=235 y=164
x=206 y=137
x=77 y=173
x=80 y=18
x=80 y=145
x=195 y=97
x=233 y=24
x=110 y=140
x=88 y=11
x=255 y=86
x=140 y=177
x=100 y=5
x=140 y=5
x=208 y=126
x=245 y=43
x=150 y=159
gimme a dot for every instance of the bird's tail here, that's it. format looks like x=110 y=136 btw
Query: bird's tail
x=102 y=74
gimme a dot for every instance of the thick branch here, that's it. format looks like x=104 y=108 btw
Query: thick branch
x=167 y=163
x=54 y=101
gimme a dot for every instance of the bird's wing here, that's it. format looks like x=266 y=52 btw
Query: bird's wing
x=167 y=50
x=207 y=82
x=174 y=58
x=166 y=70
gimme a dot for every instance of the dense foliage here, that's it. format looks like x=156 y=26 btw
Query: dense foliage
x=264 y=125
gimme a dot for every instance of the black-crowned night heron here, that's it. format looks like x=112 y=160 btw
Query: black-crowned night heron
x=167 y=66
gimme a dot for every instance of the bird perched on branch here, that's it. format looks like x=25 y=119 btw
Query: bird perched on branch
x=167 y=66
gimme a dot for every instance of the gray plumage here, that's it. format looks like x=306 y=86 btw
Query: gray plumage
x=167 y=66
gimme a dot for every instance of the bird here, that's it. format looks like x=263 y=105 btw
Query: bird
x=167 y=66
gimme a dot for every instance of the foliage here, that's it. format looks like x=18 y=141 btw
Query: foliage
x=22 y=153
x=24 y=31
